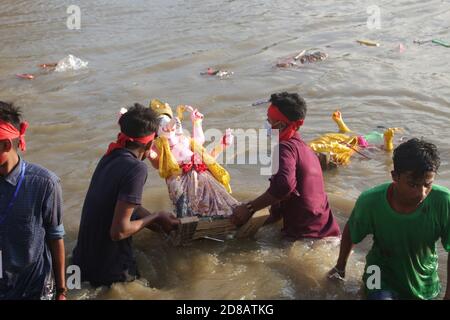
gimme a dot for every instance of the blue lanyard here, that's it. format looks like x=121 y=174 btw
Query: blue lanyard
x=8 y=208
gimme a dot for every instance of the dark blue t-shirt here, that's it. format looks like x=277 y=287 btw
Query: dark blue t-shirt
x=118 y=176
x=34 y=218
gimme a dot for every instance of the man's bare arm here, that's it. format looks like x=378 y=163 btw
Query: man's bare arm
x=122 y=227
x=59 y=266
x=447 y=292
x=344 y=252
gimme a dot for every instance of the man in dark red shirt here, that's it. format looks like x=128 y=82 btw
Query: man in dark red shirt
x=296 y=192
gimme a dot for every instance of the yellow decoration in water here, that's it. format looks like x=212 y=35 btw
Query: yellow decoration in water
x=337 y=117
x=368 y=43
x=389 y=138
x=340 y=146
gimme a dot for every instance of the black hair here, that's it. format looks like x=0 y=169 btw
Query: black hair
x=290 y=104
x=416 y=156
x=13 y=115
x=137 y=122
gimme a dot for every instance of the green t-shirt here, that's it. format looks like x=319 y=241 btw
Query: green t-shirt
x=404 y=245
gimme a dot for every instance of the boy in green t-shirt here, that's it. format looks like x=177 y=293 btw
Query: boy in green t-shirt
x=406 y=218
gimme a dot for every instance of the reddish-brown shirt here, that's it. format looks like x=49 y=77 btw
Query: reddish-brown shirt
x=299 y=182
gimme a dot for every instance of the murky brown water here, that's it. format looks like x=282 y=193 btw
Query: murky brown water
x=139 y=50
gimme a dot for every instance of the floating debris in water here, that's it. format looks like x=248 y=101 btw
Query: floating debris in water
x=419 y=42
x=224 y=73
x=218 y=73
x=435 y=41
x=368 y=43
x=48 y=65
x=260 y=102
x=440 y=42
x=302 y=58
x=70 y=63
x=27 y=76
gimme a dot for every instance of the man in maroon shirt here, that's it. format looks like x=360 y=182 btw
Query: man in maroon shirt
x=296 y=192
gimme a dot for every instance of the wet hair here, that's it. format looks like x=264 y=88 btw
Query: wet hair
x=416 y=156
x=13 y=115
x=290 y=104
x=137 y=122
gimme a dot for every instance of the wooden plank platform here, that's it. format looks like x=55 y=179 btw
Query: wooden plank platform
x=193 y=228
x=252 y=226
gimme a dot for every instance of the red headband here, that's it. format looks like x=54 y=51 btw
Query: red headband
x=292 y=126
x=8 y=132
x=122 y=139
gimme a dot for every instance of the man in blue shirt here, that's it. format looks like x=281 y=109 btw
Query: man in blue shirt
x=31 y=227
